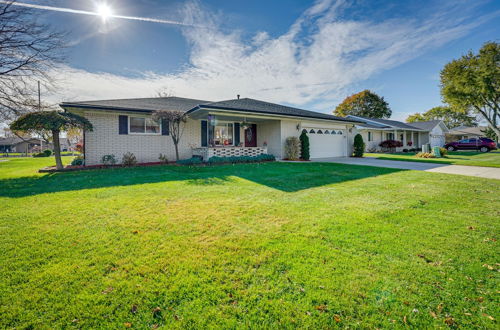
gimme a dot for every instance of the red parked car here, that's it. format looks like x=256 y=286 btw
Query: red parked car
x=481 y=144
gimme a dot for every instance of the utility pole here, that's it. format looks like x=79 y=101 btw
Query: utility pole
x=39 y=98
x=40 y=109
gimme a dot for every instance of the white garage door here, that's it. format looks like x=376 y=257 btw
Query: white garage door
x=325 y=143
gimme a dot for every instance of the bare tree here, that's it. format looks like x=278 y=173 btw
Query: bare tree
x=29 y=51
x=176 y=121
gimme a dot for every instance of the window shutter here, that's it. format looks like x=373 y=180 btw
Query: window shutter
x=204 y=133
x=236 y=134
x=165 y=127
x=122 y=124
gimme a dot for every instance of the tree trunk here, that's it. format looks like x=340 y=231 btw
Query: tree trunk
x=57 y=149
x=176 y=151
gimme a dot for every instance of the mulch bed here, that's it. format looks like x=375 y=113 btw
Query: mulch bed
x=72 y=168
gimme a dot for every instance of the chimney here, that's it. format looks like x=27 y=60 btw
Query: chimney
x=238 y=96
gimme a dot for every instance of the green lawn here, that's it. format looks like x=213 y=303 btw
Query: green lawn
x=469 y=158
x=275 y=245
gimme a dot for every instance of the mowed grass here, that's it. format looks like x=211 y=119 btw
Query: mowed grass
x=468 y=158
x=275 y=245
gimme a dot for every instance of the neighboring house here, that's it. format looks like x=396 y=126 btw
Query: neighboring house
x=375 y=130
x=465 y=132
x=437 y=132
x=16 y=144
x=226 y=128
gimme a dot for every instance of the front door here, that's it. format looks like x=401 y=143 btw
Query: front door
x=251 y=136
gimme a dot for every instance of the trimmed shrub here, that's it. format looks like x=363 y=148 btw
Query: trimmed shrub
x=443 y=151
x=78 y=161
x=359 y=146
x=47 y=152
x=304 y=146
x=190 y=161
x=129 y=159
x=391 y=144
x=108 y=160
x=292 y=148
x=40 y=154
x=241 y=159
x=425 y=155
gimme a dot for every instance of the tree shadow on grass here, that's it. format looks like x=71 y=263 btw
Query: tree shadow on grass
x=286 y=177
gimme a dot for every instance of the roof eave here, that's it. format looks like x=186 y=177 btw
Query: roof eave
x=208 y=107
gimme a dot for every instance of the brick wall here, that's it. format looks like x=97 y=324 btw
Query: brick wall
x=105 y=140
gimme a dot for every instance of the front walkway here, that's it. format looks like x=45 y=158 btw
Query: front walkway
x=479 y=171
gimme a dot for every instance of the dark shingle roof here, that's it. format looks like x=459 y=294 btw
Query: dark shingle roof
x=184 y=104
x=426 y=125
x=8 y=141
x=140 y=104
x=257 y=106
x=391 y=123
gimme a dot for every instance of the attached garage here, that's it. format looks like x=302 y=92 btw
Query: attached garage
x=325 y=142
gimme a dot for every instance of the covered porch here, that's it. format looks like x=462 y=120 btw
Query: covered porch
x=409 y=139
x=228 y=135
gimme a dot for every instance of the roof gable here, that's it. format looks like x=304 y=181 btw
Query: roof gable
x=427 y=125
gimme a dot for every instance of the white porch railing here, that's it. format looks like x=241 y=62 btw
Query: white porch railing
x=206 y=153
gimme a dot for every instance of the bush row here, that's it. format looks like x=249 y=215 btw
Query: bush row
x=241 y=159
x=190 y=161
x=45 y=153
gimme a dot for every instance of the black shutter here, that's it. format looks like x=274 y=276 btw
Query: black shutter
x=164 y=127
x=236 y=134
x=204 y=133
x=122 y=124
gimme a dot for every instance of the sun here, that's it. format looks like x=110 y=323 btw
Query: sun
x=104 y=11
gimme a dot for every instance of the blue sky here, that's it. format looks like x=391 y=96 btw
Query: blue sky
x=309 y=54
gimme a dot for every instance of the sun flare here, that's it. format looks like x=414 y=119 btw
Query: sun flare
x=104 y=11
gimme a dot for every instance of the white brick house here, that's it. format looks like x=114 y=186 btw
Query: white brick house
x=232 y=127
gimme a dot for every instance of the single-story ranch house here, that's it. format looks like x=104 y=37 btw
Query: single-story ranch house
x=234 y=127
x=413 y=135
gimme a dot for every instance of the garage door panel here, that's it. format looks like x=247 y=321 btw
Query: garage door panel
x=326 y=145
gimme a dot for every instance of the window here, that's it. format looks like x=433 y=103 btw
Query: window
x=334 y=132
x=221 y=134
x=142 y=125
x=327 y=131
x=304 y=131
x=370 y=136
x=340 y=132
x=312 y=131
x=390 y=136
x=320 y=131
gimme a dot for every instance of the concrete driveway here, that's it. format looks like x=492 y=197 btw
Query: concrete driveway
x=478 y=171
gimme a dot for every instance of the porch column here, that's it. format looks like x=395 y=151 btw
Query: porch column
x=395 y=134
x=404 y=139
x=413 y=140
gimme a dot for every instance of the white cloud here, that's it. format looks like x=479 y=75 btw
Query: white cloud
x=314 y=64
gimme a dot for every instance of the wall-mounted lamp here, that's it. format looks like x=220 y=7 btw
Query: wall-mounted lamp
x=298 y=127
